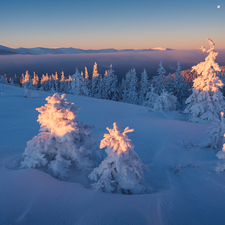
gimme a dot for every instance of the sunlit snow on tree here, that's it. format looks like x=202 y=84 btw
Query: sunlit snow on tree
x=206 y=101
x=122 y=170
x=62 y=142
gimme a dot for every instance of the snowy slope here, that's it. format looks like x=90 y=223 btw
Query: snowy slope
x=184 y=187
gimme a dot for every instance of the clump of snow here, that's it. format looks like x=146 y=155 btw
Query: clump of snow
x=122 y=170
x=216 y=134
x=62 y=141
x=206 y=101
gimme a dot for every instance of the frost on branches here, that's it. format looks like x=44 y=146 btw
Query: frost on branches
x=122 y=170
x=62 y=143
x=165 y=102
x=206 y=101
x=216 y=135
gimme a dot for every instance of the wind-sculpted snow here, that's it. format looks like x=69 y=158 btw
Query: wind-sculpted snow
x=185 y=189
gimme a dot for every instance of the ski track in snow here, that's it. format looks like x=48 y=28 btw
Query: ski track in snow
x=184 y=186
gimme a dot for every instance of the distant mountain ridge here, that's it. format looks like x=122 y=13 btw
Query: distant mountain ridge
x=41 y=51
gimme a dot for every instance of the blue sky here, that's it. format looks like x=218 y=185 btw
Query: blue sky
x=117 y=24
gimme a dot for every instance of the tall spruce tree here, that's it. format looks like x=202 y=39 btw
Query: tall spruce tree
x=180 y=89
x=144 y=87
x=159 y=81
x=206 y=101
x=130 y=94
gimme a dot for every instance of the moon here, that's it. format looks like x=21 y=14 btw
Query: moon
x=218 y=6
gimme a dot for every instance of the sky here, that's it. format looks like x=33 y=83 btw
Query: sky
x=119 y=24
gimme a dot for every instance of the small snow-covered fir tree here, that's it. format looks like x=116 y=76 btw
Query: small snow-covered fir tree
x=143 y=87
x=206 y=101
x=220 y=167
x=216 y=134
x=25 y=93
x=165 y=102
x=30 y=85
x=122 y=170
x=151 y=97
x=159 y=81
x=62 y=142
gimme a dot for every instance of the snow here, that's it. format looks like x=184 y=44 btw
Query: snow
x=185 y=189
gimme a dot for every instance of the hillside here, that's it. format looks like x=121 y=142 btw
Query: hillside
x=184 y=188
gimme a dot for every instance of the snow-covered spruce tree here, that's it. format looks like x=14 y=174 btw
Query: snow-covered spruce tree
x=78 y=85
x=180 y=89
x=25 y=79
x=159 y=81
x=206 y=101
x=3 y=80
x=86 y=79
x=130 y=94
x=30 y=85
x=94 y=81
x=45 y=82
x=165 y=102
x=151 y=97
x=13 y=83
x=220 y=167
x=122 y=170
x=216 y=134
x=221 y=76
x=35 y=81
x=143 y=87
x=62 y=143
x=62 y=83
x=55 y=81
x=110 y=89
x=68 y=82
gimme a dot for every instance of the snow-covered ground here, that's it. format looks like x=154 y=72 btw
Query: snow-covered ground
x=185 y=189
